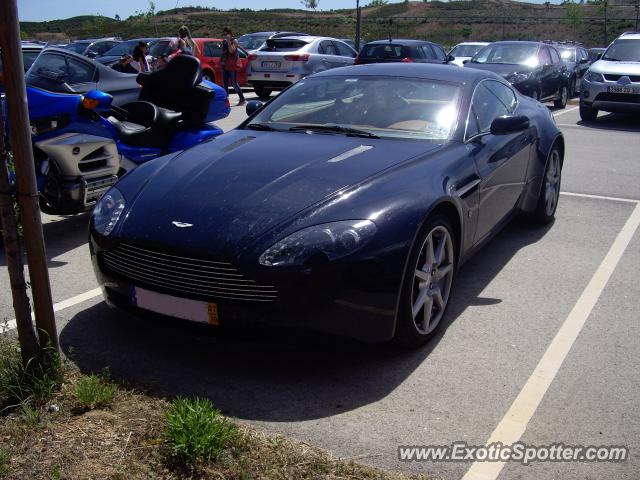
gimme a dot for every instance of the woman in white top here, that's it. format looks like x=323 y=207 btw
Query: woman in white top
x=139 y=61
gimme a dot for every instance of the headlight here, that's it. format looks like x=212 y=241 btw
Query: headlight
x=519 y=77
x=331 y=240
x=594 y=77
x=108 y=211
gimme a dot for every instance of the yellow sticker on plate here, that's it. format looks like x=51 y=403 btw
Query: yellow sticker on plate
x=213 y=314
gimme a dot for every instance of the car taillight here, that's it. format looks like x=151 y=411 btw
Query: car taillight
x=297 y=57
x=252 y=57
x=356 y=61
x=407 y=60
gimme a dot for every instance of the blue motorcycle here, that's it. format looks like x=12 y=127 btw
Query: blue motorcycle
x=83 y=144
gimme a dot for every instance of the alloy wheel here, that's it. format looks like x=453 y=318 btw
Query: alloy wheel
x=552 y=182
x=432 y=280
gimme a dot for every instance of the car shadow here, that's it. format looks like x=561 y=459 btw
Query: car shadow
x=614 y=121
x=61 y=235
x=269 y=374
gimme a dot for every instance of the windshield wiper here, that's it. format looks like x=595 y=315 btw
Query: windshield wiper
x=262 y=126
x=350 y=132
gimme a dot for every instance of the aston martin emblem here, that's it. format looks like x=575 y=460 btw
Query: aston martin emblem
x=182 y=224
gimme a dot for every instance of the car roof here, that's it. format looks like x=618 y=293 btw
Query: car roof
x=630 y=36
x=473 y=43
x=520 y=42
x=431 y=71
x=400 y=40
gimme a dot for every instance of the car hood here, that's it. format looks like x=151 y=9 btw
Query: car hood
x=616 y=68
x=504 y=70
x=240 y=185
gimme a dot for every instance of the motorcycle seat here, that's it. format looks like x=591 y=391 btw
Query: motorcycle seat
x=146 y=125
x=150 y=115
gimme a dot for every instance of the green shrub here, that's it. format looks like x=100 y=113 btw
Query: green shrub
x=30 y=415
x=5 y=459
x=36 y=382
x=93 y=391
x=196 y=431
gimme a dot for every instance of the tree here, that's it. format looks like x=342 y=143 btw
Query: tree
x=573 y=15
x=117 y=17
x=310 y=4
x=377 y=3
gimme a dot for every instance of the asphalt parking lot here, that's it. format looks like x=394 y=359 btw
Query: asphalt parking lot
x=474 y=378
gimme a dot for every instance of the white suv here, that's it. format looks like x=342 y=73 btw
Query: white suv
x=612 y=84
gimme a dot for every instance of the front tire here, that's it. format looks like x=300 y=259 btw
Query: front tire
x=263 y=93
x=588 y=114
x=427 y=283
x=550 y=189
x=564 y=96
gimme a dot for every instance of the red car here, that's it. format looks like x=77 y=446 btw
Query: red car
x=210 y=51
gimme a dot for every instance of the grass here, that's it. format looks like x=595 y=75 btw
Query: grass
x=197 y=432
x=94 y=391
x=5 y=460
x=30 y=415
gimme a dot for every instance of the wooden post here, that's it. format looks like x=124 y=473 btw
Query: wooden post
x=358 y=26
x=15 y=265
x=26 y=189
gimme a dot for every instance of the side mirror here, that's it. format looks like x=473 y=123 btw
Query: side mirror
x=509 y=124
x=253 y=106
x=97 y=100
x=598 y=56
x=91 y=54
x=464 y=62
x=450 y=58
x=584 y=60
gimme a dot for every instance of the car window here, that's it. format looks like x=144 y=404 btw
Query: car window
x=212 y=49
x=344 y=49
x=327 y=48
x=78 y=47
x=544 y=56
x=102 y=47
x=283 y=45
x=28 y=57
x=555 y=58
x=79 y=72
x=504 y=93
x=428 y=52
x=439 y=51
x=384 y=51
x=485 y=107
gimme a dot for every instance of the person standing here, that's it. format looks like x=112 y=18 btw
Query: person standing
x=139 y=61
x=230 y=62
x=186 y=45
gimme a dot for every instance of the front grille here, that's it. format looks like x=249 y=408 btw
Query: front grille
x=617 y=97
x=614 y=78
x=184 y=276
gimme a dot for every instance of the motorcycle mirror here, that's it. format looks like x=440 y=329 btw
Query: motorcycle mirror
x=97 y=100
x=252 y=106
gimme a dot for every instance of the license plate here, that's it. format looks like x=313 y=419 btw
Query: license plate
x=628 y=90
x=271 y=65
x=184 y=308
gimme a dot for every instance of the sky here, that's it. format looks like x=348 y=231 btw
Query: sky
x=39 y=10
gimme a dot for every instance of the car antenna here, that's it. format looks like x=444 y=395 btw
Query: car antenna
x=389 y=35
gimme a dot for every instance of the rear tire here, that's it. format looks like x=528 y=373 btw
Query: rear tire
x=263 y=93
x=209 y=76
x=564 y=96
x=550 y=189
x=427 y=284
x=588 y=114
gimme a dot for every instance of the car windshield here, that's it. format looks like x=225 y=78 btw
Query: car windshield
x=466 y=50
x=77 y=47
x=409 y=108
x=513 y=54
x=251 y=42
x=623 y=51
x=160 y=48
x=122 y=48
x=567 y=54
x=385 y=51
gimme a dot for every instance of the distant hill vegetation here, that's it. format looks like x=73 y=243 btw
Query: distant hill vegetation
x=444 y=22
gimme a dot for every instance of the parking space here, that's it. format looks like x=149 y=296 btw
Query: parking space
x=361 y=401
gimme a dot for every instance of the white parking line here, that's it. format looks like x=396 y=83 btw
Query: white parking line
x=600 y=197
x=513 y=425
x=69 y=302
x=557 y=113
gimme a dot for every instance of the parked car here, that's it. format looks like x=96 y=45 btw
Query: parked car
x=113 y=55
x=352 y=43
x=30 y=51
x=612 y=84
x=210 y=52
x=534 y=68
x=56 y=66
x=92 y=47
x=251 y=42
x=345 y=205
x=595 y=54
x=398 y=50
x=465 y=51
x=283 y=61
x=576 y=58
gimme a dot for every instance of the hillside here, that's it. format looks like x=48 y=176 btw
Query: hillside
x=444 y=22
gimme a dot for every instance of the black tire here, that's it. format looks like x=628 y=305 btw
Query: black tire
x=572 y=88
x=550 y=189
x=412 y=330
x=564 y=96
x=263 y=93
x=588 y=114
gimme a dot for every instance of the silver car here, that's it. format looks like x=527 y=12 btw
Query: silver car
x=612 y=84
x=281 y=62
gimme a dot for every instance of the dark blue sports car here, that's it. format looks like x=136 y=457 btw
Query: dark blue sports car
x=345 y=204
